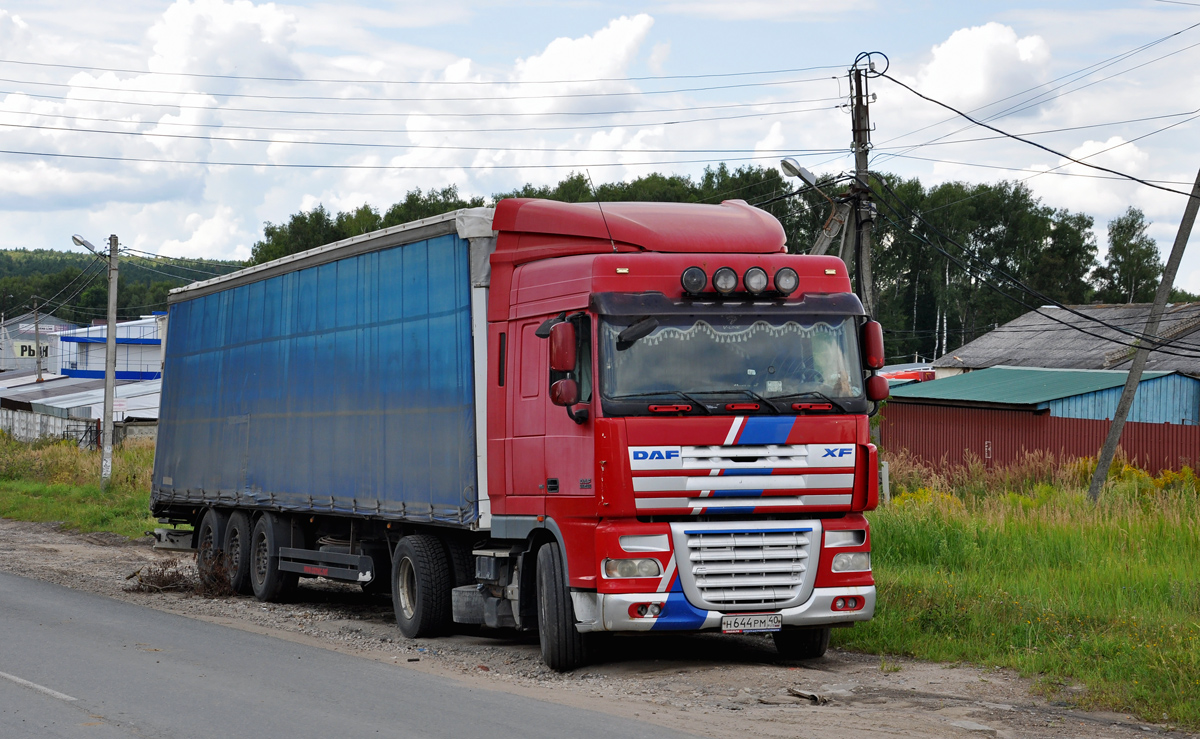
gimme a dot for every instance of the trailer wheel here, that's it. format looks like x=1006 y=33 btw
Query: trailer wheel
x=563 y=647
x=237 y=551
x=421 y=585
x=802 y=643
x=270 y=584
x=210 y=542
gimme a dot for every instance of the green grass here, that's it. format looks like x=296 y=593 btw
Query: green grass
x=1017 y=568
x=79 y=507
x=57 y=481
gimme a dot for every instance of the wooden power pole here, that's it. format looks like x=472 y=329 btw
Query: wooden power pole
x=1109 y=450
x=864 y=214
x=110 y=367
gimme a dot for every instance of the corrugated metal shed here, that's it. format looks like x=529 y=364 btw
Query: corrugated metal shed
x=1050 y=337
x=939 y=434
x=1018 y=385
x=1162 y=397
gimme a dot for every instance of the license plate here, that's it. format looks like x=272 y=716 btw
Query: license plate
x=751 y=623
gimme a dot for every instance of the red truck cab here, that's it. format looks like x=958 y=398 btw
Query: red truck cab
x=681 y=408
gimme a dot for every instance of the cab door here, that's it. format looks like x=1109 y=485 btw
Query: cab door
x=569 y=446
x=528 y=397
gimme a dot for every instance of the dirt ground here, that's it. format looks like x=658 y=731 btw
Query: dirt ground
x=713 y=685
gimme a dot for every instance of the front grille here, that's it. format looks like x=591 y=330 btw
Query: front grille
x=726 y=569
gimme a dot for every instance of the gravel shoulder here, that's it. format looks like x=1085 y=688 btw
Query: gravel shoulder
x=720 y=686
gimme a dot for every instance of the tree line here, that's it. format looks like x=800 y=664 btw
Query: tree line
x=929 y=303
x=923 y=237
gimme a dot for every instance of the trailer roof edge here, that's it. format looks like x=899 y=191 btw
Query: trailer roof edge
x=405 y=233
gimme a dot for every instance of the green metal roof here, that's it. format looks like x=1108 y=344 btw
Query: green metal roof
x=1016 y=385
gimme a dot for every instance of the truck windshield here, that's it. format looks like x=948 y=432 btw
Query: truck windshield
x=744 y=357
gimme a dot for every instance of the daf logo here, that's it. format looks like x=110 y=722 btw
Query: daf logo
x=837 y=452
x=640 y=454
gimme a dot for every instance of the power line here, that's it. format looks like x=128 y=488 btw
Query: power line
x=344 y=99
x=283 y=165
x=1159 y=348
x=1077 y=75
x=419 y=82
x=1034 y=143
x=473 y=100
x=376 y=145
x=912 y=213
x=591 y=127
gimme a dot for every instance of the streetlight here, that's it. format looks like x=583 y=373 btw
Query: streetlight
x=792 y=168
x=110 y=355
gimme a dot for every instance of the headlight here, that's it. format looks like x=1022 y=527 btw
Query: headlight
x=694 y=280
x=755 y=280
x=786 y=281
x=852 y=562
x=725 y=280
x=632 y=568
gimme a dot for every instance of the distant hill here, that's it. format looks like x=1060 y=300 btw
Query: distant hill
x=74 y=285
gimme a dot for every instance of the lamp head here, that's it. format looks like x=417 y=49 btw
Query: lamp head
x=792 y=168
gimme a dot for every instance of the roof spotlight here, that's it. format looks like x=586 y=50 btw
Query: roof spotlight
x=694 y=280
x=725 y=280
x=755 y=280
x=786 y=281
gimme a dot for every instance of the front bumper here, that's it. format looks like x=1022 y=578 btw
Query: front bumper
x=611 y=611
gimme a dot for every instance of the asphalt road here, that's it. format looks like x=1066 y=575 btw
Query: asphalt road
x=77 y=665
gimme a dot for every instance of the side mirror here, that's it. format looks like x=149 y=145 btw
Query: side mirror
x=877 y=388
x=562 y=348
x=872 y=345
x=566 y=392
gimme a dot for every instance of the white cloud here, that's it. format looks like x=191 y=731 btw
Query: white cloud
x=658 y=57
x=981 y=64
x=748 y=10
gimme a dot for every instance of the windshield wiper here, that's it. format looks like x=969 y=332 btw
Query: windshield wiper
x=814 y=394
x=743 y=391
x=679 y=393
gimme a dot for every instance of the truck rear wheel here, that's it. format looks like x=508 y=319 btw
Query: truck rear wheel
x=802 y=643
x=563 y=647
x=421 y=585
x=237 y=551
x=210 y=543
x=270 y=584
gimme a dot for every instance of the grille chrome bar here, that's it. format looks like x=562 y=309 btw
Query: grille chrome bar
x=764 y=567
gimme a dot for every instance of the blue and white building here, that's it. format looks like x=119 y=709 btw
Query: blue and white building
x=139 y=349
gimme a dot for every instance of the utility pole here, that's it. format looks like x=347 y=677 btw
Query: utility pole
x=37 y=341
x=864 y=213
x=1143 y=352
x=110 y=367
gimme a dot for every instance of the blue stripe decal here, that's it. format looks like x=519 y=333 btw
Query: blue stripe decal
x=737 y=493
x=765 y=430
x=677 y=613
x=751 y=531
x=749 y=472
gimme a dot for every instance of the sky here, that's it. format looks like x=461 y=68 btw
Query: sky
x=184 y=126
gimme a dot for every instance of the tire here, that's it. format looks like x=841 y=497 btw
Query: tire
x=210 y=542
x=269 y=583
x=563 y=647
x=421 y=585
x=462 y=562
x=238 y=533
x=802 y=643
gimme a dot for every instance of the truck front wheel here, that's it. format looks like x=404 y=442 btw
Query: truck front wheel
x=802 y=643
x=563 y=647
x=421 y=585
